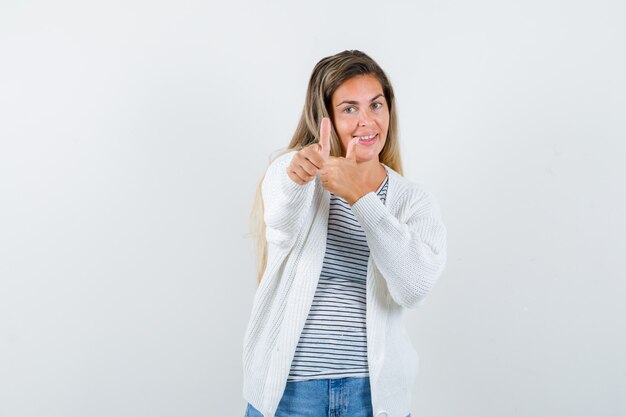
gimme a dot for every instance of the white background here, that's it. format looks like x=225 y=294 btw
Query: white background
x=132 y=137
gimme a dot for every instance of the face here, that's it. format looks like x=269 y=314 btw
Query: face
x=360 y=110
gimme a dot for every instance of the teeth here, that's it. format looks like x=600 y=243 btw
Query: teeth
x=366 y=137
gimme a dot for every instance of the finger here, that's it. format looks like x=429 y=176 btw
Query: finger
x=314 y=157
x=351 y=151
x=325 y=137
x=295 y=178
x=309 y=156
x=300 y=176
x=307 y=168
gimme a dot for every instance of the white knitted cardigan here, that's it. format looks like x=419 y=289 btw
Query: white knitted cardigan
x=407 y=242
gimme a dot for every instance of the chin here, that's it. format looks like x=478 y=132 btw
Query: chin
x=368 y=157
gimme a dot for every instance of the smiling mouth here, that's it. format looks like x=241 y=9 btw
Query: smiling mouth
x=367 y=139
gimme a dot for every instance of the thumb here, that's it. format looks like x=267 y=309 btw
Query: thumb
x=351 y=151
x=325 y=137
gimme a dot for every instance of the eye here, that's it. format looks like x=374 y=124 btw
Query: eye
x=349 y=110
x=377 y=105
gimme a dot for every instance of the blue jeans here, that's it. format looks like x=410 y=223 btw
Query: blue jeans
x=344 y=397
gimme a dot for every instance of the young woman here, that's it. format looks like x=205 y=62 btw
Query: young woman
x=346 y=244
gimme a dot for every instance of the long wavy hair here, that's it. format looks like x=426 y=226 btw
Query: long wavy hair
x=327 y=76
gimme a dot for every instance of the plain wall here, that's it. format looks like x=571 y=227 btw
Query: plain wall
x=133 y=135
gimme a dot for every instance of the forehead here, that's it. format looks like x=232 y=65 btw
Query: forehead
x=361 y=87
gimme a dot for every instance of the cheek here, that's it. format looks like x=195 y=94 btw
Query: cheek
x=343 y=126
x=384 y=125
x=344 y=131
x=383 y=120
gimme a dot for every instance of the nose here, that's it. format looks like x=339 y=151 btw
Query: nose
x=365 y=118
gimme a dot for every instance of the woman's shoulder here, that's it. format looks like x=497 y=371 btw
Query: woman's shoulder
x=406 y=191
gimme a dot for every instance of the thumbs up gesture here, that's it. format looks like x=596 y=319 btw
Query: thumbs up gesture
x=308 y=161
x=342 y=176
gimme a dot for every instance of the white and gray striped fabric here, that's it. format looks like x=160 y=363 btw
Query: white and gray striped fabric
x=333 y=342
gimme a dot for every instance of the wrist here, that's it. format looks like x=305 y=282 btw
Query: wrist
x=354 y=197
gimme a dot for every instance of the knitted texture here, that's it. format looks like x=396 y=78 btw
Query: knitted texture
x=407 y=242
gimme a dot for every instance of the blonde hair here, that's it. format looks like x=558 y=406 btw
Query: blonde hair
x=327 y=76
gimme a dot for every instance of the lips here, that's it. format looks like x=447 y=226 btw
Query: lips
x=367 y=139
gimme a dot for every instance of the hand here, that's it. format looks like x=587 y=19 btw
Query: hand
x=342 y=177
x=308 y=161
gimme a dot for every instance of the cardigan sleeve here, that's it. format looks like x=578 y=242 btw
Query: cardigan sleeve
x=410 y=255
x=284 y=202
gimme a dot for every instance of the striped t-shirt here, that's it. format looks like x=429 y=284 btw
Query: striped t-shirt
x=333 y=342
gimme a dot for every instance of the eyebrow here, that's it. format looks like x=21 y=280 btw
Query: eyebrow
x=356 y=102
